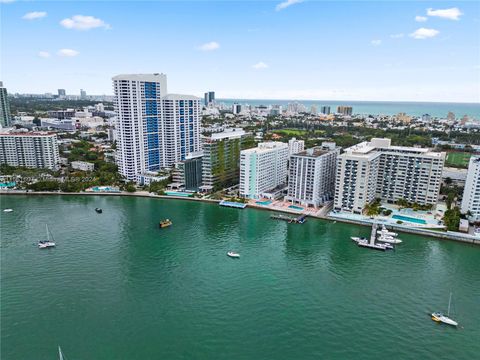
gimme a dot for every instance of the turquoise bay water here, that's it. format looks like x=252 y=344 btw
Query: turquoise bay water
x=435 y=109
x=118 y=287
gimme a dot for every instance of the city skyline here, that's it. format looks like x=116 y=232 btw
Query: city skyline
x=298 y=50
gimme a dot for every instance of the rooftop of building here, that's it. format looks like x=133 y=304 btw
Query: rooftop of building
x=141 y=77
x=313 y=152
x=266 y=147
x=368 y=148
x=180 y=97
x=30 y=133
x=230 y=133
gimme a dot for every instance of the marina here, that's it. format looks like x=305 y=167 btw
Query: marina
x=115 y=286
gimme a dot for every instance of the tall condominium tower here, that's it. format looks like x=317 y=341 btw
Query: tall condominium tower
x=154 y=129
x=263 y=168
x=181 y=127
x=311 y=178
x=137 y=101
x=5 y=116
x=295 y=146
x=376 y=169
x=471 y=194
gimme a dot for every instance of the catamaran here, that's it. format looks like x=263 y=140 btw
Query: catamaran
x=43 y=244
x=439 y=317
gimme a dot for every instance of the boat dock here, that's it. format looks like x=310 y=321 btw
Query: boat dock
x=296 y=220
x=232 y=204
x=371 y=244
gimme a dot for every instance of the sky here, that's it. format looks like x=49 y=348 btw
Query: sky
x=291 y=49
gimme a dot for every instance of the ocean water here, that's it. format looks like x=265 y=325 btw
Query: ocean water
x=118 y=287
x=435 y=109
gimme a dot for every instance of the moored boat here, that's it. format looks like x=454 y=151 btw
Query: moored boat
x=233 y=254
x=98 y=210
x=389 y=239
x=164 y=223
x=7 y=210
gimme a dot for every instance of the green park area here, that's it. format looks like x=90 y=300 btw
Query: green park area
x=458 y=159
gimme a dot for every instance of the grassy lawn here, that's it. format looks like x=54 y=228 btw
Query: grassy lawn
x=458 y=159
x=290 y=132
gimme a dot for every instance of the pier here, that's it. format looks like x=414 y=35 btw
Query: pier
x=296 y=220
x=233 y=204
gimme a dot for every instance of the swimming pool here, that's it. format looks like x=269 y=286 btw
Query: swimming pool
x=410 y=219
x=105 y=188
x=295 y=207
x=178 y=193
x=268 y=202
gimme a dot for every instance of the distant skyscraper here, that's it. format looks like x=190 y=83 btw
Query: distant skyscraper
x=345 y=110
x=451 y=116
x=5 y=116
x=313 y=110
x=62 y=93
x=471 y=194
x=236 y=108
x=325 y=110
x=83 y=94
x=209 y=97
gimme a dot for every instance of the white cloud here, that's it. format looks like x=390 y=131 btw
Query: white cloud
x=424 y=33
x=420 y=18
x=397 y=36
x=210 y=46
x=260 y=65
x=81 y=22
x=67 y=52
x=44 y=54
x=287 y=3
x=376 y=42
x=34 y=15
x=451 y=14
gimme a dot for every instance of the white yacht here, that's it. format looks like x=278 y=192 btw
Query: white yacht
x=233 y=254
x=7 y=210
x=44 y=244
x=389 y=239
x=385 y=231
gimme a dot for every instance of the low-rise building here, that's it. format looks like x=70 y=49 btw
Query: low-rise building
x=187 y=174
x=82 y=165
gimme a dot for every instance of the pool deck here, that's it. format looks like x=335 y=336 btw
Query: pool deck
x=279 y=206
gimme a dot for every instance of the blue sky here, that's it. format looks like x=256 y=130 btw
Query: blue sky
x=341 y=50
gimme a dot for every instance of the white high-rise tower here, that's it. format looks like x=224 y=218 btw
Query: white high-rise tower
x=471 y=194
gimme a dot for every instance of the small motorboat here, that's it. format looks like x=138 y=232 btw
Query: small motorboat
x=389 y=239
x=233 y=254
x=164 y=223
x=98 y=210
x=358 y=239
x=7 y=210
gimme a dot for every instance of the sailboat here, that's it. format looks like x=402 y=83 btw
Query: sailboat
x=439 y=317
x=43 y=244
x=60 y=353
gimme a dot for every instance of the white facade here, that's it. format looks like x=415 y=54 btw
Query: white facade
x=311 y=179
x=32 y=150
x=138 y=105
x=295 y=146
x=471 y=194
x=263 y=168
x=376 y=169
x=181 y=119
x=83 y=166
x=154 y=130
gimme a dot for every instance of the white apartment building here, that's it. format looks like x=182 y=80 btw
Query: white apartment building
x=29 y=149
x=154 y=129
x=83 y=165
x=471 y=194
x=295 y=146
x=376 y=169
x=311 y=176
x=263 y=168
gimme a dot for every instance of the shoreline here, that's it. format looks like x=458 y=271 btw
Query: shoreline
x=457 y=237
